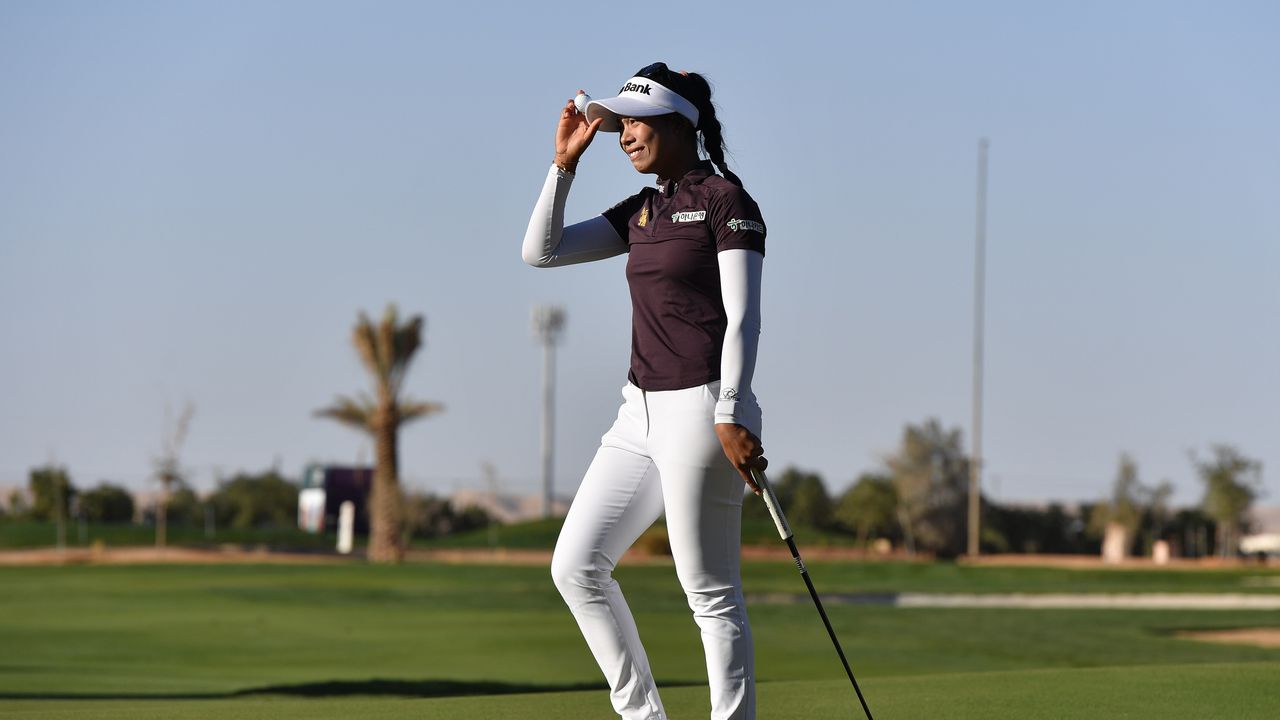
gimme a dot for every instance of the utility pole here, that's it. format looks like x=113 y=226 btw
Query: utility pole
x=59 y=477
x=548 y=322
x=979 y=298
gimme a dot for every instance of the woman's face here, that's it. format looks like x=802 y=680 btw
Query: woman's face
x=651 y=143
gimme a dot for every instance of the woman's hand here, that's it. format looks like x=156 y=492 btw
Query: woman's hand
x=743 y=450
x=573 y=135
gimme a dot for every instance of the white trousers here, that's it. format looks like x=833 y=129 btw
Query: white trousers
x=662 y=453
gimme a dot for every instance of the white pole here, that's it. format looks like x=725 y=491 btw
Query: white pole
x=346 y=526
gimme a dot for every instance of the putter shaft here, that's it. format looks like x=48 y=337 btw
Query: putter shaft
x=804 y=573
x=784 y=530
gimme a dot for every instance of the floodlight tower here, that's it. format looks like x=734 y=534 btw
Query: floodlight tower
x=979 y=312
x=548 y=322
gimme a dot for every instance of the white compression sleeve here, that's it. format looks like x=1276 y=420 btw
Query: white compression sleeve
x=548 y=243
x=740 y=272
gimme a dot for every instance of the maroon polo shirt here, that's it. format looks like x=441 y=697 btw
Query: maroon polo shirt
x=673 y=234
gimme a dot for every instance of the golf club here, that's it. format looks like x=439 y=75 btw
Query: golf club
x=784 y=529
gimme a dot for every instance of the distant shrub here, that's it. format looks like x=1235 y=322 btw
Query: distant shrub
x=107 y=503
x=428 y=516
x=254 y=501
x=51 y=492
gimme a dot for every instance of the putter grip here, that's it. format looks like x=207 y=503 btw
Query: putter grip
x=771 y=502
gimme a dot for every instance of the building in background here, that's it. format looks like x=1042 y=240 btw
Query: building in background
x=1264 y=535
x=11 y=493
x=507 y=509
x=325 y=488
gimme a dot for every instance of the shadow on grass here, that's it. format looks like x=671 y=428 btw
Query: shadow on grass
x=342 y=688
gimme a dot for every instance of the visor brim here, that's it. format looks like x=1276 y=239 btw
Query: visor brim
x=611 y=109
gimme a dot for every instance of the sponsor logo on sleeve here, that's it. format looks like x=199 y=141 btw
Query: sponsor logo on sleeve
x=693 y=216
x=735 y=224
x=729 y=394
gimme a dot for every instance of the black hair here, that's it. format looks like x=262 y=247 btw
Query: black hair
x=697 y=90
x=711 y=138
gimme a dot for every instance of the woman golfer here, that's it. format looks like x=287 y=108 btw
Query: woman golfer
x=688 y=432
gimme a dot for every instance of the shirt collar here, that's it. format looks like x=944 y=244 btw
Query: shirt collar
x=703 y=170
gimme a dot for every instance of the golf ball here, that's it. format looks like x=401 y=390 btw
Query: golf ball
x=581 y=101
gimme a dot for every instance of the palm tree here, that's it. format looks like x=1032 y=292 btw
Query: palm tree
x=386 y=350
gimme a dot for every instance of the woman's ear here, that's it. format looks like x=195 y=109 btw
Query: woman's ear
x=680 y=123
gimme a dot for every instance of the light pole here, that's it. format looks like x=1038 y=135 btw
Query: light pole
x=548 y=322
x=979 y=297
x=59 y=497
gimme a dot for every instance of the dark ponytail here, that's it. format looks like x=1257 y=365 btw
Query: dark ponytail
x=711 y=138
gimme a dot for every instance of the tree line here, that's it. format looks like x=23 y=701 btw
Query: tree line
x=918 y=501
x=262 y=500
x=246 y=500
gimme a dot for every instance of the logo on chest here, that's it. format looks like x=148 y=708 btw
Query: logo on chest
x=644 y=216
x=684 y=217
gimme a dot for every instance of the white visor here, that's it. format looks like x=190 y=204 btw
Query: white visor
x=639 y=97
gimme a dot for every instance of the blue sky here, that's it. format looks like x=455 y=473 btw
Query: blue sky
x=197 y=197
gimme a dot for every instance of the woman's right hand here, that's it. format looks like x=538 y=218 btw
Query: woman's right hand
x=573 y=135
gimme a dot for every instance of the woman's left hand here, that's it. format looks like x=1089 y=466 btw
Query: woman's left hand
x=743 y=450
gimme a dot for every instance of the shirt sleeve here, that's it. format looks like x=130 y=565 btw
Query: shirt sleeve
x=740 y=272
x=619 y=216
x=548 y=243
x=735 y=220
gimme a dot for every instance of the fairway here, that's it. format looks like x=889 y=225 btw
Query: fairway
x=448 y=641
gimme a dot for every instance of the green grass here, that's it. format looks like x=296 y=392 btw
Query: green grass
x=25 y=534
x=444 y=641
x=1206 y=692
x=851 y=577
x=541 y=535
x=533 y=535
